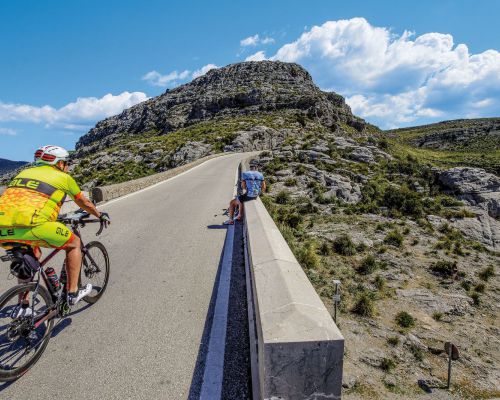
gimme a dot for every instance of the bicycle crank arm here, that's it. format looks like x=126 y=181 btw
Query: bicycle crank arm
x=46 y=317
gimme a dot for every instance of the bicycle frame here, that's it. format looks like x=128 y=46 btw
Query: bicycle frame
x=53 y=293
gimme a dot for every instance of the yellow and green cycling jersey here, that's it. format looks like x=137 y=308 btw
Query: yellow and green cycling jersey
x=35 y=196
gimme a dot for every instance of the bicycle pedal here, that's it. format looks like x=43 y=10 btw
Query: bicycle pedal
x=64 y=309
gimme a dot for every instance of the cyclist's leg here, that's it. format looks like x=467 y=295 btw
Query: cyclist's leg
x=232 y=206
x=59 y=236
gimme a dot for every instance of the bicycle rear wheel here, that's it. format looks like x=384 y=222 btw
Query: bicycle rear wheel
x=21 y=343
x=95 y=270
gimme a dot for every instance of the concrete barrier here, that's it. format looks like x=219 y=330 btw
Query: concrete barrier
x=300 y=349
x=106 y=193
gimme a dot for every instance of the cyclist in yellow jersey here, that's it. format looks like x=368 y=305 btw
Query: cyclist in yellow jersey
x=30 y=205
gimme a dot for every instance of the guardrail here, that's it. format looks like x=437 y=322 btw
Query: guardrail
x=300 y=350
x=106 y=193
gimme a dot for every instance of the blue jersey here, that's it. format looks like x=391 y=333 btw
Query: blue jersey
x=253 y=180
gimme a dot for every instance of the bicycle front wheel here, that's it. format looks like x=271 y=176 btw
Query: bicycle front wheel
x=22 y=339
x=95 y=270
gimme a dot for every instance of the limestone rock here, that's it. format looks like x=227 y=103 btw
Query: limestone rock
x=191 y=151
x=475 y=186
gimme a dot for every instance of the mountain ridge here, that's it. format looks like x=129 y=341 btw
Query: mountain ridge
x=7 y=166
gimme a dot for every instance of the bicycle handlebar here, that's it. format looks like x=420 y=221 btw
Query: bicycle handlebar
x=81 y=218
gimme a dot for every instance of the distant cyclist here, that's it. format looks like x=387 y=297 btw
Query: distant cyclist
x=253 y=183
x=29 y=208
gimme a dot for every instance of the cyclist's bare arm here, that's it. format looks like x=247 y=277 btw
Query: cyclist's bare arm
x=87 y=205
x=264 y=187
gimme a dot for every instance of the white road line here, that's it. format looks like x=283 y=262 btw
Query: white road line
x=213 y=375
x=211 y=388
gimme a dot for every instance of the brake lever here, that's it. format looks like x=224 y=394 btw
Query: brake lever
x=101 y=228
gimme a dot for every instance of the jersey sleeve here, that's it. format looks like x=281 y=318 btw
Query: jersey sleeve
x=73 y=189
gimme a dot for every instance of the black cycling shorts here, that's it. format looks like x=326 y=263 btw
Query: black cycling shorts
x=244 y=198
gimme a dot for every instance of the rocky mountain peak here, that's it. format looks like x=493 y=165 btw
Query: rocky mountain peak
x=239 y=89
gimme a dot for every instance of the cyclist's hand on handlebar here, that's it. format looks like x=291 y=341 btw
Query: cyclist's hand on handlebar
x=105 y=219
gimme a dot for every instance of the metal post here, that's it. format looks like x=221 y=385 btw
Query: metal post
x=336 y=299
x=449 y=367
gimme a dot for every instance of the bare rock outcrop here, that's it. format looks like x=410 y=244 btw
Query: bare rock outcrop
x=475 y=186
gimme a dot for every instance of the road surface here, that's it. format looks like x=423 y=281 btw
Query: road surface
x=142 y=339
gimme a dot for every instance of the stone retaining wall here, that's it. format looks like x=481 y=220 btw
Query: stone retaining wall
x=300 y=349
x=106 y=193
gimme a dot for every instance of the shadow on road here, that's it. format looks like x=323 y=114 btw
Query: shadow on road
x=236 y=375
x=60 y=326
x=5 y=385
x=197 y=379
x=217 y=226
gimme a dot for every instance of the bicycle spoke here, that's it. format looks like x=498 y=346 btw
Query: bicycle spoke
x=20 y=342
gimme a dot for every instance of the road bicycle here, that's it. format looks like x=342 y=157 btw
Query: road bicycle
x=23 y=339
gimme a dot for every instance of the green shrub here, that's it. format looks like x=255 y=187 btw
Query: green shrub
x=344 y=245
x=476 y=298
x=307 y=256
x=307 y=208
x=387 y=364
x=445 y=268
x=291 y=182
x=457 y=249
x=382 y=249
x=487 y=273
x=364 y=305
x=393 y=340
x=380 y=282
x=368 y=265
x=394 y=238
x=480 y=288
x=325 y=249
x=403 y=200
x=283 y=197
x=322 y=199
x=361 y=247
x=274 y=166
x=300 y=170
x=466 y=285
x=405 y=320
x=448 y=201
x=437 y=315
x=417 y=352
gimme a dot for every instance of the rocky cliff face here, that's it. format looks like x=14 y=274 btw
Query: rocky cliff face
x=241 y=107
x=244 y=89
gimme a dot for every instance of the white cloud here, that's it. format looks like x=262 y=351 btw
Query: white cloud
x=84 y=109
x=256 y=40
x=259 y=56
x=8 y=132
x=398 y=79
x=156 y=79
x=250 y=41
x=203 y=70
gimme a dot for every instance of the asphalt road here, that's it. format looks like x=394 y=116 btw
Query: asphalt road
x=142 y=339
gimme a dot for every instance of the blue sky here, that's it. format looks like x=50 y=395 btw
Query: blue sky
x=397 y=65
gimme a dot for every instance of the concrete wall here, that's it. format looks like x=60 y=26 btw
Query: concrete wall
x=300 y=349
x=106 y=193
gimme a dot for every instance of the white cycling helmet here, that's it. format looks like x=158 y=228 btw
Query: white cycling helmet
x=51 y=155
